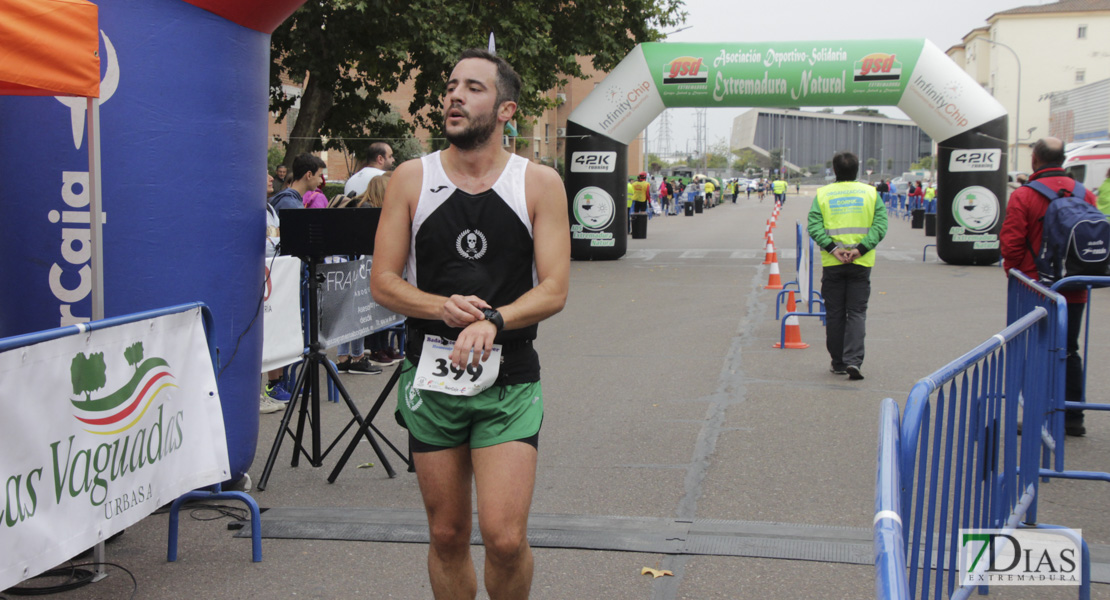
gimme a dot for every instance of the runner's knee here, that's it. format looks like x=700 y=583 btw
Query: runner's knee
x=505 y=544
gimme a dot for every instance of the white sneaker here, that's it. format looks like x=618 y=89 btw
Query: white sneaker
x=267 y=406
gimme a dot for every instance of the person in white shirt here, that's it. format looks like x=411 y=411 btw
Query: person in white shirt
x=377 y=162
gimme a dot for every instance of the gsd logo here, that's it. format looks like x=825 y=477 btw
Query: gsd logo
x=123 y=408
x=878 y=67
x=686 y=69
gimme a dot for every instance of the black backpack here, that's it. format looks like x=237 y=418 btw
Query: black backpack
x=1075 y=239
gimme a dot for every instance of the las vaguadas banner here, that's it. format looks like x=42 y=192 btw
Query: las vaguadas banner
x=100 y=429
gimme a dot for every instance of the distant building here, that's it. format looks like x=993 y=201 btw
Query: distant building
x=1061 y=46
x=808 y=140
x=1081 y=115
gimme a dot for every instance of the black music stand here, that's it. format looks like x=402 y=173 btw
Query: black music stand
x=312 y=235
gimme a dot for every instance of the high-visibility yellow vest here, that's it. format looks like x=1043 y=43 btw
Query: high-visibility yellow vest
x=630 y=192
x=779 y=186
x=847 y=208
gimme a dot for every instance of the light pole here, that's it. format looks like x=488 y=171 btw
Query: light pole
x=859 y=126
x=1017 y=108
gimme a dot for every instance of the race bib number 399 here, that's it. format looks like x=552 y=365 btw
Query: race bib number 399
x=436 y=373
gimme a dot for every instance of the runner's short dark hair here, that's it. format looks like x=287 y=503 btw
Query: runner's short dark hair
x=508 y=81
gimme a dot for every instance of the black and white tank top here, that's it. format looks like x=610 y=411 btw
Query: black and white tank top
x=478 y=244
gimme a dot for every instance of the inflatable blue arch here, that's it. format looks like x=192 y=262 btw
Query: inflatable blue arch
x=183 y=112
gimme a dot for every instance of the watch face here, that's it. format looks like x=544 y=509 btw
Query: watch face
x=594 y=208
x=975 y=208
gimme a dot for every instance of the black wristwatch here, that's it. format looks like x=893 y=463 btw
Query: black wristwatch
x=494 y=317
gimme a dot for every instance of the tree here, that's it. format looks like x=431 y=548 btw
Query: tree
x=746 y=160
x=871 y=163
x=864 y=112
x=826 y=110
x=134 y=354
x=925 y=162
x=890 y=164
x=88 y=373
x=347 y=53
x=776 y=157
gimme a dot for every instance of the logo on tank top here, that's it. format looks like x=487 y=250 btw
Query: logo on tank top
x=471 y=244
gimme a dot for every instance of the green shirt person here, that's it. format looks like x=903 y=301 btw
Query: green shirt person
x=1104 y=195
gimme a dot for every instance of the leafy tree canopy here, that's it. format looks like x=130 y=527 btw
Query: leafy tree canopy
x=864 y=111
x=356 y=50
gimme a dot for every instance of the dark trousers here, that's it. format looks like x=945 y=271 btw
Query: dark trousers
x=1073 y=378
x=846 y=289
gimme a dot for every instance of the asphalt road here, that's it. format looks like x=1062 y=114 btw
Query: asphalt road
x=666 y=401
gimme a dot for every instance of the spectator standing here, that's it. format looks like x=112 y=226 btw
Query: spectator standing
x=378 y=160
x=847 y=220
x=1104 y=195
x=1020 y=241
x=280 y=173
x=307 y=174
x=274 y=395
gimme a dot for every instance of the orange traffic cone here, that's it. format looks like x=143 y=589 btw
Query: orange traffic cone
x=774 y=224
x=774 y=282
x=793 y=329
x=771 y=257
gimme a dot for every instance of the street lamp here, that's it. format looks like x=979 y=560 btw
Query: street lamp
x=1017 y=108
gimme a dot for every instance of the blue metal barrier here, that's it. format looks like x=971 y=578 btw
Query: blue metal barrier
x=960 y=453
x=814 y=296
x=1023 y=294
x=890 y=549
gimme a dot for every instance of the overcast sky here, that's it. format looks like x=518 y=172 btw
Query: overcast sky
x=944 y=22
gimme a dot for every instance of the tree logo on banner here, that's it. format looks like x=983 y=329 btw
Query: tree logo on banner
x=122 y=409
x=594 y=208
x=975 y=208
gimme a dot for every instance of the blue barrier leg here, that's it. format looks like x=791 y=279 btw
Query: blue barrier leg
x=252 y=507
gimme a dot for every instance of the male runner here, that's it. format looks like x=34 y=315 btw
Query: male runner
x=484 y=237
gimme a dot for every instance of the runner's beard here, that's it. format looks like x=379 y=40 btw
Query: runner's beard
x=476 y=133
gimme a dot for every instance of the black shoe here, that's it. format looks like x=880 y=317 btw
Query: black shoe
x=1075 y=429
x=835 y=370
x=362 y=366
x=343 y=366
x=854 y=372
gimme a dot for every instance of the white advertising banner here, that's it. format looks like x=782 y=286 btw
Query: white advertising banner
x=282 y=334
x=624 y=103
x=943 y=99
x=101 y=429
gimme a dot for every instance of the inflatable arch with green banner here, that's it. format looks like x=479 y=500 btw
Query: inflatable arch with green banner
x=914 y=75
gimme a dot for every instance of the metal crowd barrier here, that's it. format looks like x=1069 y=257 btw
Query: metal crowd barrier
x=1023 y=295
x=891 y=580
x=814 y=297
x=958 y=460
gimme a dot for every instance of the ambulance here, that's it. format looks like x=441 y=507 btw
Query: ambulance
x=1088 y=164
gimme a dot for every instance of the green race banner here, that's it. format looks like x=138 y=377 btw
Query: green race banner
x=913 y=75
x=780 y=74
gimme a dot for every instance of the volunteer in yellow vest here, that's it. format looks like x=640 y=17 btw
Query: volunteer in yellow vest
x=709 y=189
x=847 y=220
x=930 y=199
x=631 y=192
x=641 y=191
x=779 y=188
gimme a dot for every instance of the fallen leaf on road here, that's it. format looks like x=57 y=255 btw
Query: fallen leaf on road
x=655 y=573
